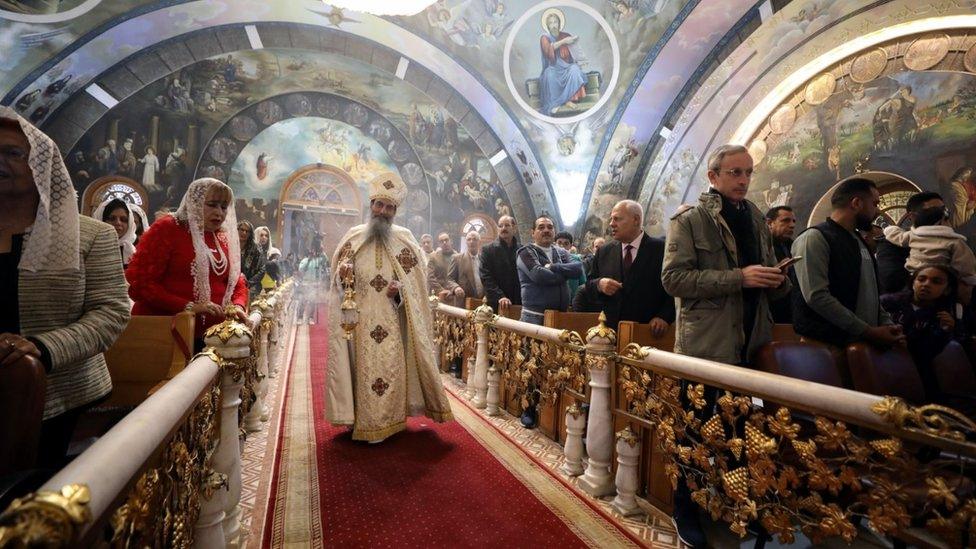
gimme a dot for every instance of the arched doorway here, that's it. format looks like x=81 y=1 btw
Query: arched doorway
x=894 y=190
x=114 y=186
x=317 y=199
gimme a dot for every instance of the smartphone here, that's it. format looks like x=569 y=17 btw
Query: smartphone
x=788 y=261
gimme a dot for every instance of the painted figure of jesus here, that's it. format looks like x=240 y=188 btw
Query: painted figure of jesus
x=562 y=82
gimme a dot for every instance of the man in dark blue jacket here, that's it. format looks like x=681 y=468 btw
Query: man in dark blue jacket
x=543 y=271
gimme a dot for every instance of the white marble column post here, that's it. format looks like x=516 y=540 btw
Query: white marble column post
x=601 y=344
x=494 y=378
x=573 y=450
x=628 y=455
x=209 y=531
x=484 y=317
x=469 y=382
x=231 y=341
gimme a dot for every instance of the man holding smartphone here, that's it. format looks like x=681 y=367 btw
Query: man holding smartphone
x=719 y=264
x=781 y=221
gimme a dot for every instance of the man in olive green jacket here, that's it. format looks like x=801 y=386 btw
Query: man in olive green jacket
x=718 y=264
x=712 y=278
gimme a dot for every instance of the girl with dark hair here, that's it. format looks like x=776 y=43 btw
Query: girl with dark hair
x=252 y=258
x=927 y=313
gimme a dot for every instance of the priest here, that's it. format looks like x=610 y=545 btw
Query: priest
x=382 y=364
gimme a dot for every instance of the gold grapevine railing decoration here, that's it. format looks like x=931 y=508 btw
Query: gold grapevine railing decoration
x=455 y=335
x=747 y=463
x=163 y=507
x=528 y=364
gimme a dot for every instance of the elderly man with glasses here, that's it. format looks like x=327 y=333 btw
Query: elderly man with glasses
x=720 y=266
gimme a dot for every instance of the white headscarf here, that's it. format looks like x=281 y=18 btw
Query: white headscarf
x=190 y=212
x=51 y=243
x=142 y=215
x=128 y=240
x=266 y=249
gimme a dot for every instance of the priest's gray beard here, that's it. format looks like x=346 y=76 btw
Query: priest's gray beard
x=379 y=228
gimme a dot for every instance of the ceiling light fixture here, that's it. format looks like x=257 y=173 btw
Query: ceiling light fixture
x=382 y=7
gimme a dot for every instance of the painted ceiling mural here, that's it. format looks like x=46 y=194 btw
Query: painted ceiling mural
x=804 y=39
x=227 y=117
x=575 y=93
x=562 y=66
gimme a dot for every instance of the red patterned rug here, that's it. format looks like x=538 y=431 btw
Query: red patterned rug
x=459 y=484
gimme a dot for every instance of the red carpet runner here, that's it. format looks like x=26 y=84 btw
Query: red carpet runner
x=434 y=485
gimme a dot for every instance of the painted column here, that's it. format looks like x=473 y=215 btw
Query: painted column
x=484 y=318
x=494 y=378
x=573 y=450
x=231 y=342
x=601 y=344
x=628 y=456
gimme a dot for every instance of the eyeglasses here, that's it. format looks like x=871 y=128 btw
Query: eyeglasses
x=736 y=172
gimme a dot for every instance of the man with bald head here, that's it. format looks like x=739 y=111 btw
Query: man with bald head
x=499 y=275
x=625 y=277
x=466 y=270
x=440 y=262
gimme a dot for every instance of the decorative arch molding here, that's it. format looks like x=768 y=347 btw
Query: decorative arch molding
x=894 y=189
x=174 y=36
x=124 y=188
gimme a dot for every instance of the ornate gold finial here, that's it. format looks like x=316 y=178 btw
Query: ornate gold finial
x=229 y=328
x=628 y=436
x=49 y=519
x=433 y=300
x=931 y=419
x=574 y=410
x=601 y=331
x=484 y=314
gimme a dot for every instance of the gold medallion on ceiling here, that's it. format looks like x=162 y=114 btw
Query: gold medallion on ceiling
x=782 y=120
x=868 y=66
x=926 y=52
x=757 y=150
x=969 y=60
x=820 y=88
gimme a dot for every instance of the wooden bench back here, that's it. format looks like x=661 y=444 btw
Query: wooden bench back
x=634 y=332
x=147 y=354
x=574 y=322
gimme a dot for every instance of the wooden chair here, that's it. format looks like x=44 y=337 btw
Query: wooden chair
x=884 y=372
x=552 y=419
x=654 y=483
x=954 y=371
x=23 y=386
x=150 y=351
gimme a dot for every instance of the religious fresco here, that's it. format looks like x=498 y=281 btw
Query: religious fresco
x=32 y=31
x=918 y=125
x=232 y=117
x=603 y=46
x=769 y=56
x=67 y=75
x=625 y=144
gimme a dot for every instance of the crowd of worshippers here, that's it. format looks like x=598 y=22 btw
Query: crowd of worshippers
x=720 y=280
x=71 y=282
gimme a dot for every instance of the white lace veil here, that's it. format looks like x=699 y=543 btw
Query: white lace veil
x=128 y=240
x=142 y=215
x=190 y=212
x=51 y=244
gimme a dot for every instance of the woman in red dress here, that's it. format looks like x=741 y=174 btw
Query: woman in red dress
x=191 y=261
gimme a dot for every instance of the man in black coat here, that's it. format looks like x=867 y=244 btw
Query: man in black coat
x=625 y=278
x=781 y=221
x=499 y=276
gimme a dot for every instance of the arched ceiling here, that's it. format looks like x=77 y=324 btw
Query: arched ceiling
x=661 y=78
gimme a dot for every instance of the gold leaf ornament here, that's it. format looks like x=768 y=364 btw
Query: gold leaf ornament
x=736 y=483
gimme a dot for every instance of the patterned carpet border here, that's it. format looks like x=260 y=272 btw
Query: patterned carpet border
x=586 y=520
x=653 y=529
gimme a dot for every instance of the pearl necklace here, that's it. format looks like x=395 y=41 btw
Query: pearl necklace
x=218 y=263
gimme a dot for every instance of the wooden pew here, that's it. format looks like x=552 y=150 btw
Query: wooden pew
x=784 y=332
x=23 y=386
x=552 y=419
x=146 y=355
x=653 y=482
